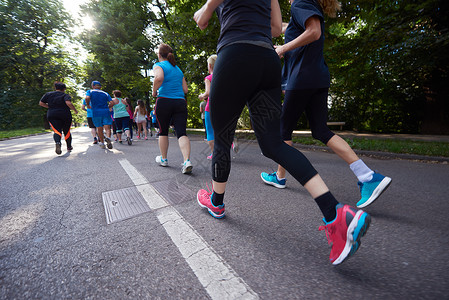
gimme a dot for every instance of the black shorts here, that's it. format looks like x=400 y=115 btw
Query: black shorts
x=90 y=122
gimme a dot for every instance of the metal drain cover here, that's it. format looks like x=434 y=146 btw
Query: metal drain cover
x=123 y=204
x=174 y=192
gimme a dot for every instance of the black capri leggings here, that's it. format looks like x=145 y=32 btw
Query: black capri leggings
x=60 y=122
x=314 y=103
x=171 y=111
x=246 y=74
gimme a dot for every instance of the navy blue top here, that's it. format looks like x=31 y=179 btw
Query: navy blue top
x=56 y=101
x=304 y=67
x=243 y=21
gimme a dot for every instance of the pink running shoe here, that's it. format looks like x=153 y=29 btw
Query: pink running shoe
x=345 y=231
x=209 y=157
x=205 y=200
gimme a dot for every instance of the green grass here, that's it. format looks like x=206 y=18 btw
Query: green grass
x=382 y=145
x=388 y=145
x=20 y=132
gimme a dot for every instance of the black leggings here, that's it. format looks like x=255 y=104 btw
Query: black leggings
x=61 y=123
x=314 y=103
x=246 y=74
x=171 y=111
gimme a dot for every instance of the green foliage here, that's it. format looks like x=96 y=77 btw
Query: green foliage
x=121 y=46
x=21 y=132
x=389 y=63
x=32 y=57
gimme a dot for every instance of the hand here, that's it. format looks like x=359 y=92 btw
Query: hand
x=154 y=93
x=88 y=106
x=76 y=112
x=279 y=50
x=202 y=17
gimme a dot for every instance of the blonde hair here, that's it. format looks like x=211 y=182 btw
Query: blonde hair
x=330 y=7
x=211 y=60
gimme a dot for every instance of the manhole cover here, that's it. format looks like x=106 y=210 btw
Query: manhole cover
x=123 y=204
x=173 y=191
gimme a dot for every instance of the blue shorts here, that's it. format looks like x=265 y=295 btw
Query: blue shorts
x=101 y=121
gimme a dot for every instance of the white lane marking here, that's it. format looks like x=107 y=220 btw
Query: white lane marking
x=217 y=277
x=135 y=175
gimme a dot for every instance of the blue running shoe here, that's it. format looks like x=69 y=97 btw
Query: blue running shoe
x=372 y=189
x=272 y=179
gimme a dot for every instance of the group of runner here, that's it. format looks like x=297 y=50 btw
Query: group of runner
x=247 y=71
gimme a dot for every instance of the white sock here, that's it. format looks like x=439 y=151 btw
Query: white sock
x=361 y=170
x=279 y=179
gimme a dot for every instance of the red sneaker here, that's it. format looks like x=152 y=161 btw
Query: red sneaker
x=205 y=200
x=345 y=231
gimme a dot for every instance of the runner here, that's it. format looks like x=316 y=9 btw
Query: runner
x=121 y=117
x=255 y=63
x=205 y=96
x=93 y=129
x=59 y=105
x=100 y=102
x=306 y=83
x=140 y=117
x=170 y=87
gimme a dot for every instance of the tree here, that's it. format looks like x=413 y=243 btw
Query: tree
x=32 y=57
x=121 y=46
x=389 y=63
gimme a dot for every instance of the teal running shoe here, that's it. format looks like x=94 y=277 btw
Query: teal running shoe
x=272 y=179
x=372 y=189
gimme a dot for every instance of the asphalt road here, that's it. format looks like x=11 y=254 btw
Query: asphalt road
x=55 y=242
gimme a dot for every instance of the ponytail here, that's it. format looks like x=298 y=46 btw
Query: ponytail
x=330 y=7
x=171 y=59
x=166 y=52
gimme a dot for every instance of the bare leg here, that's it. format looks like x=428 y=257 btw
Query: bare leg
x=93 y=131
x=211 y=145
x=342 y=149
x=184 y=145
x=101 y=134
x=107 y=128
x=163 y=146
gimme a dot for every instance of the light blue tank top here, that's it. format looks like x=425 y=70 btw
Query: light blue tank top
x=120 y=110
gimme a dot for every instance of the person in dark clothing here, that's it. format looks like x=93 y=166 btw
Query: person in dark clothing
x=246 y=54
x=59 y=105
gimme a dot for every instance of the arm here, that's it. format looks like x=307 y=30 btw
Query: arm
x=43 y=104
x=185 y=88
x=276 y=19
x=88 y=102
x=206 y=93
x=203 y=15
x=115 y=101
x=284 y=26
x=70 y=105
x=311 y=34
x=158 y=79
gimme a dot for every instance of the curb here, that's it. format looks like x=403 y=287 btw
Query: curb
x=382 y=155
